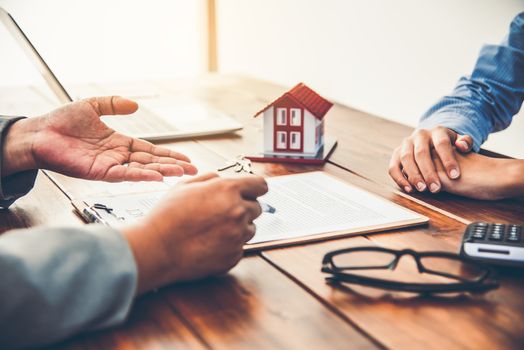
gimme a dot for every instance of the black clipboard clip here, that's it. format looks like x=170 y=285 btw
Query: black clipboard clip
x=102 y=207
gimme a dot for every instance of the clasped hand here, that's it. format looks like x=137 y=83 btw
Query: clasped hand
x=440 y=159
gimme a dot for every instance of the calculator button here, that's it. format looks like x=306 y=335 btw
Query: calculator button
x=514 y=233
x=513 y=238
x=496 y=232
x=478 y=230
x=514 y=228
x=479 y=234
x=495 y=237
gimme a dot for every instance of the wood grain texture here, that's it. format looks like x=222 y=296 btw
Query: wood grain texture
x=278 y=299
x=413 y=323
x=151 y=325
x=256 y=307
x=44 y=205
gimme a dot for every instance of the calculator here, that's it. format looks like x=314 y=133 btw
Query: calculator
x=499 y=244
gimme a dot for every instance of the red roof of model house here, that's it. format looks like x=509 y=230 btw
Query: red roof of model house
x=307 y=98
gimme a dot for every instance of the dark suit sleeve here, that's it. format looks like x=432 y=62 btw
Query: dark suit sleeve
x=16 y=185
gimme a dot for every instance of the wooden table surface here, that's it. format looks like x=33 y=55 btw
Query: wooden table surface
x=278 y=298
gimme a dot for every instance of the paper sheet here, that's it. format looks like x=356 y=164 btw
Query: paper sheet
x=314 y=203
x=306 y=204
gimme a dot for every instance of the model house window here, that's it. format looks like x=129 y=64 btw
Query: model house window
x=281 y=116
x=295 y=140
x=295 y=117
x=281 y=139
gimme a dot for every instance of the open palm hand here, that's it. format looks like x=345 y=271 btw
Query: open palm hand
x=74 y=141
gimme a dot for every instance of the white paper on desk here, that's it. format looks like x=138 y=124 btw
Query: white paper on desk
x=314 y=203
x=306 y=204
x=127 y=209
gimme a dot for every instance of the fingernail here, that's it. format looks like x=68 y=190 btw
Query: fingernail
x=464 y=144
x=434 y=187
x=421 y=186
x=407 y=189
x=454 y=173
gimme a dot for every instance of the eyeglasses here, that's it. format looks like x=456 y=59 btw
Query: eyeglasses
x=438 y=272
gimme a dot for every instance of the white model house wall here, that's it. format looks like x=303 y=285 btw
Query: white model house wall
x=310 y=123
x=320 y=124
x=268 y=130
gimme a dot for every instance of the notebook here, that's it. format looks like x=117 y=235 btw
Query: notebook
x=309 y=206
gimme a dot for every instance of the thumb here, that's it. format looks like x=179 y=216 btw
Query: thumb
x=112 y=105
x=464 y=143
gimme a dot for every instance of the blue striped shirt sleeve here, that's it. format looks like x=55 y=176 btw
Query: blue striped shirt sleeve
x=487 y=100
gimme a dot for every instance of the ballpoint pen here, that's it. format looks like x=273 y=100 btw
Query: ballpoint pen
x=266 y=208
x=93 y=217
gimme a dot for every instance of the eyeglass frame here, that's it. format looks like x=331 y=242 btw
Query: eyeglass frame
x=486 y=282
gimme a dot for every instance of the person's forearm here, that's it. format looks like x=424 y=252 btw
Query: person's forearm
x=17 y=148
x=487 y=100
x=515 y=178
x=150 y=274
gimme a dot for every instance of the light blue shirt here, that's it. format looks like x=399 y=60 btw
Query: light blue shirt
x=487 y=100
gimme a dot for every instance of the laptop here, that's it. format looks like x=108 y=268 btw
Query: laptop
x=158 y=118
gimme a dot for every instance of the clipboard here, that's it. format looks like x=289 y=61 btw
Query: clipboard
x=310 y=206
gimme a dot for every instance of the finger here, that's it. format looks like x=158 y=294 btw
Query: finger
x=451 y=134
x=442 y=142
x=426 y=167
x=147 y=158
x=202 y=178
x=396 y=173
x=147 y=147
x=124 y=173
x=253 y=209
x=112 y=105
x=164 y=169
x=410 y=167
x=250 y=232
x=250 y=187
x=464 y=143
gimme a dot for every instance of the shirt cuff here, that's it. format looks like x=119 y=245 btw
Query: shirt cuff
x=460 y=123
x=16 y=185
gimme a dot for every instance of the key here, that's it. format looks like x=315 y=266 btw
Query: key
x=238 y=167
x=229 y=164
x=246 y=166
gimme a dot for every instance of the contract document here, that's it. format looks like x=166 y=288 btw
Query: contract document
x=309 y=207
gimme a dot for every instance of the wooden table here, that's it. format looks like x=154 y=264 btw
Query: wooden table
x=278 y=298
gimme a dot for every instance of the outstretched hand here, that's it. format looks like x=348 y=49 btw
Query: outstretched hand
x=72 y=140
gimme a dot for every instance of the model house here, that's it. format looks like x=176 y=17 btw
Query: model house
x=294 y=123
